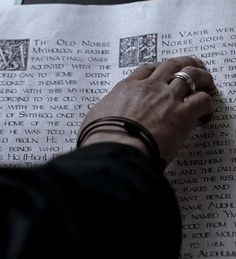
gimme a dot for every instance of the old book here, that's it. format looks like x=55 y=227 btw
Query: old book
x=57 y=61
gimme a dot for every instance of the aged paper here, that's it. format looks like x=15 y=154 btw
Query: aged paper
x=10 y=2
x=57 y=61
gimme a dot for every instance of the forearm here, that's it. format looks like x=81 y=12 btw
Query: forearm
x=110 y=196
x=124 y=201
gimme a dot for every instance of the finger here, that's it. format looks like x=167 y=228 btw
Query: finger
x=144 y=71
x=200 y=107
x=201 y=78
x=167 y=68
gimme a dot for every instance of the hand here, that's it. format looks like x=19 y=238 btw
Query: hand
x=148 y=97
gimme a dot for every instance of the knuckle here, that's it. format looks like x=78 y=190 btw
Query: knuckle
x=189 y=59
x=184 y=59
x=142 y=66
x=153 y=66
x=190 y=70
x=175 y=62
x=149 y=66
x=195 y=73
x=179 y=62
x=199 y=61
x=196 y=62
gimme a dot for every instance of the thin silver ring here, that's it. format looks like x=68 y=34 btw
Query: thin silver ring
x=187 y=79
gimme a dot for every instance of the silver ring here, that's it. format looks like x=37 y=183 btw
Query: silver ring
x=187 y=79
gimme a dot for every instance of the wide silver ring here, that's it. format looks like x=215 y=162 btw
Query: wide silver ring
x=187 y=79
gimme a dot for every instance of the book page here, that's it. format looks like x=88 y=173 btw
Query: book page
x=57 y=61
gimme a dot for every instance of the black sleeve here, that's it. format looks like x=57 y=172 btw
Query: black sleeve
x=105 y=200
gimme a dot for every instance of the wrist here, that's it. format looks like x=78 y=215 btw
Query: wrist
x=133 y=134
x=115 y=137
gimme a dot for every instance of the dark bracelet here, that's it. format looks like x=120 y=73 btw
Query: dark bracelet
x=133 y=128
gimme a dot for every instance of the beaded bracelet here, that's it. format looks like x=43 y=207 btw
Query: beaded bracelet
x=133 y=128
